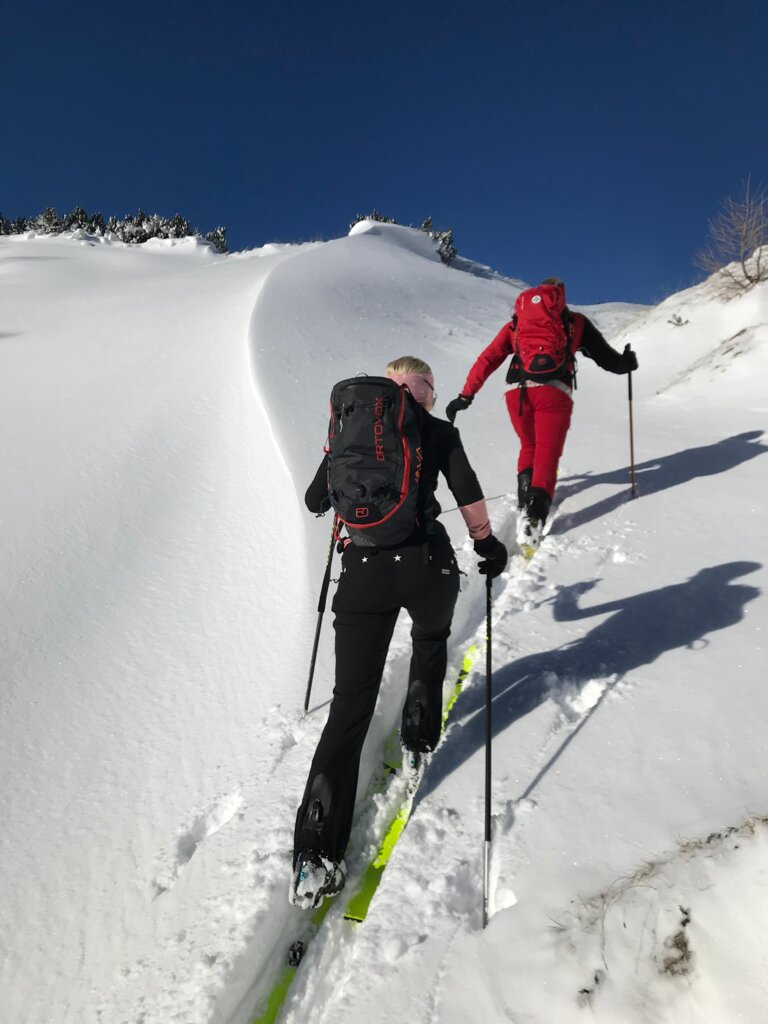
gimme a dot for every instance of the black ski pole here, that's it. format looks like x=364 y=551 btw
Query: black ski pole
x=488 y=735
x=321 y=608
x=631 y=437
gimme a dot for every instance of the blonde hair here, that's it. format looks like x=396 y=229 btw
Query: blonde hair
x=408 y=364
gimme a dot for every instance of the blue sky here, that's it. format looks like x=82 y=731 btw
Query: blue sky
x=588 y=140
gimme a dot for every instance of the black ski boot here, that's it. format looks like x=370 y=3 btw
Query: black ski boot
x=315 y=875
x=416 y=751
x=530 y=526
x=537 y=504
x=524 y=478
x=314 y=878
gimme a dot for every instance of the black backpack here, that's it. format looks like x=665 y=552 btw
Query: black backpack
x=374 y=460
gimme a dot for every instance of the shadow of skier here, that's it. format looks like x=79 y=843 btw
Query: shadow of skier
x=640 y=629
x=656 y=475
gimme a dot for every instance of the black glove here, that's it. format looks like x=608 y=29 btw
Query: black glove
x=629 y=359
x=494 y=556
x=457 y=405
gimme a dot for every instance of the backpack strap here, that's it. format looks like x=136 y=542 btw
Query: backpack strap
x=515 y=346
x=570 y=327
x=516 y=362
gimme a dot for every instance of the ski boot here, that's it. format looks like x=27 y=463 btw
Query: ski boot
x=414 y=765
x=314 y=878
x=530 y=526
x=416 y=753
x=524 y=478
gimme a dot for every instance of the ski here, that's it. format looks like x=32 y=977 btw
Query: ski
x=357 y=905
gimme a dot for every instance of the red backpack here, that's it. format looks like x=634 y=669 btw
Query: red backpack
x=543 y=333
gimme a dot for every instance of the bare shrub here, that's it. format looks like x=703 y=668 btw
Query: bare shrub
x=737 y=250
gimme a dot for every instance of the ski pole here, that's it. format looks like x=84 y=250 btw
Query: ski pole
x=321 y=609
x=631 y=438
x=455 y=508
x=488 y=734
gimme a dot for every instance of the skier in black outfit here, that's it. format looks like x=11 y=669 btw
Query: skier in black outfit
x=420 y=575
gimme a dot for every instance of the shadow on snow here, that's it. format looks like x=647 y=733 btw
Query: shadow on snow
x=656 y=475
x=639 y=630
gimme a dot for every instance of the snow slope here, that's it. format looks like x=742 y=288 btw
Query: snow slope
x=162 y=411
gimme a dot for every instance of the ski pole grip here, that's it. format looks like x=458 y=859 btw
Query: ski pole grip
x=627 y=350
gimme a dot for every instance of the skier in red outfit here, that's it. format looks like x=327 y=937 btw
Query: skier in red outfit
x=542 y=338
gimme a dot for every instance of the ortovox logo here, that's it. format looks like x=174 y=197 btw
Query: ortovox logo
x=535 y=299
x=378 y=430
x=362 y=512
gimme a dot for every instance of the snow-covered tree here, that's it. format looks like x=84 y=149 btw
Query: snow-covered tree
x=373 y=215
x=445 y=248
x=47 y=222
x=77 y=219
x=217 y=238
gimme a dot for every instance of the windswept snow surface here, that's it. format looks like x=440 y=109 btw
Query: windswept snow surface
x=162 y=410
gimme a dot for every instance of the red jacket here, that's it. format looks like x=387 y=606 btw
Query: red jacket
x=586 y=339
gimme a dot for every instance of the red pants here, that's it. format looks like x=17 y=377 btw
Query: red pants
x=541 y=426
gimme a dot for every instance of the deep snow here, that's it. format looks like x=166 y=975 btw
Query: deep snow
x=162 y=410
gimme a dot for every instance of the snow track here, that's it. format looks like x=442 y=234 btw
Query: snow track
x=437 y=865
x=436 y=870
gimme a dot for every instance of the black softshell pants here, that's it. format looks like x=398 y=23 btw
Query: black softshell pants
x=373 y=587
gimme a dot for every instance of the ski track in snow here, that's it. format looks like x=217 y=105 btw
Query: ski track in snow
x=452 y=895
x=277 y=923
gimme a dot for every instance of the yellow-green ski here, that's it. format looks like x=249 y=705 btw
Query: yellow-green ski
x=358 y=904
